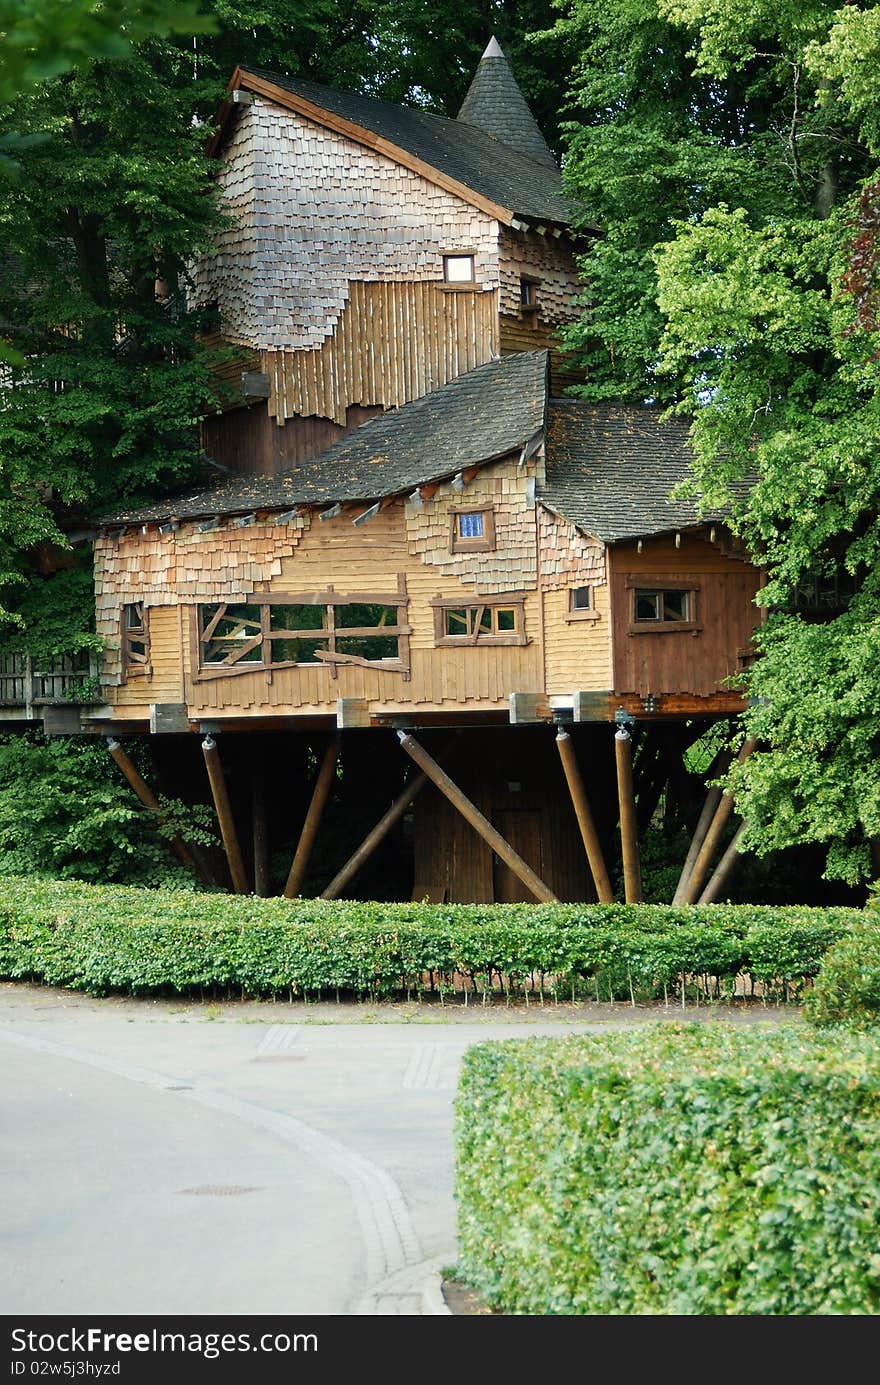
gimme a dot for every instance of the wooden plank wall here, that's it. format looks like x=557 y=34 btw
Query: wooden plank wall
x=577 y=651
x=393 y=342
x=510 y=774
x=686 y=661
x=249 y=441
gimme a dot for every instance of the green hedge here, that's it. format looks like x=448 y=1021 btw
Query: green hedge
x=847 y=989
x=692 y=1169
x=101 y=939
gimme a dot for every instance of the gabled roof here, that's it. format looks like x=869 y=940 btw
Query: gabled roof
x=479 y=417
x=495 y=105
x=512 y=184
x=611 y=467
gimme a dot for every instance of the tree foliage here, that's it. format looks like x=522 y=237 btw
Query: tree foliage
x=731 y=151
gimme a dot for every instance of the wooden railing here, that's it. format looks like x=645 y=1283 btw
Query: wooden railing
x=26 y=682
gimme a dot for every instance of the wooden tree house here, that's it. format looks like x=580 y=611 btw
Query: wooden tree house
x=414 y=532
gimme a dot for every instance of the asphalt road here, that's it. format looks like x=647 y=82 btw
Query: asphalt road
x=161 y=1158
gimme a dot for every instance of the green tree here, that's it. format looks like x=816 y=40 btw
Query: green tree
x=746 y=255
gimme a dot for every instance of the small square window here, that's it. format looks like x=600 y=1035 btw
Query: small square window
x=473 y=531
x=470 y=526
x=580 y=599
x=458 y=269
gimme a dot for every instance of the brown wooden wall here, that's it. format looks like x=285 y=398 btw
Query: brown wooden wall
x=514 y=778
x=249 y=441
x=685 y=661
x=516 y=334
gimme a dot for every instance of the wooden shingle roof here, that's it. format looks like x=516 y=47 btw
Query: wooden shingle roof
x=611 y=468
x=509 y=179
x=480 y=416
x=495 y=105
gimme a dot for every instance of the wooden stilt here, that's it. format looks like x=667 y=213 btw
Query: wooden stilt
x=713 y=798
x=472 y=814
x=223 y=810
x=585 y=820
x=700 y=869
x=723 y=870
x=260 y=823
x=373 y=838
x=629 y=838
x=320 y=794
x=149 y=800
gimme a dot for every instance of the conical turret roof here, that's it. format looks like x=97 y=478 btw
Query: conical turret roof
x=495 y=104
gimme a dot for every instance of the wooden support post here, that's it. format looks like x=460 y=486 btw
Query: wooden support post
x=629 y=837
x=224 y=815
x=150 y=801
x=723 y=870
x=259 y=822
x=480 y=824
x=584 y=816
x=373 y=838
x=710 y=807
x=713 y=836
x=320 y=794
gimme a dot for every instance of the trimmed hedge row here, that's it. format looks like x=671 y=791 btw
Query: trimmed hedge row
x=687 y=1169
x=112 y=938
x=847 y=990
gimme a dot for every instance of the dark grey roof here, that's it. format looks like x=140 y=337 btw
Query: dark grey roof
x=611 y=467
x=480 y=161
x=495 y=104
x=487 y=413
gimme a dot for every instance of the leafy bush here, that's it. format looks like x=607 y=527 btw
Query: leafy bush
x=693 y=1169
x=847 y=989
x=65 y=809
x=102 y=938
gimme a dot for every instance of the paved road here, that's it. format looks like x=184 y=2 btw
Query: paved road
x=161 y=1158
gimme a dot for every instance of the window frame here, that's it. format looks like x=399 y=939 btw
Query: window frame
x=458 y=285
x=529 y=308
x=330 y=630
x=660 y=582
x=486 y=543
x=514 y=601
x=574 y=613
x=135 y=665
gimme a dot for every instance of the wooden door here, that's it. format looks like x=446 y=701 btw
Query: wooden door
x=521 y=828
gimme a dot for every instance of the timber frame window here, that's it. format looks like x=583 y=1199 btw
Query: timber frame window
x=459 y=269
x=662 y=605
x=581 y=604
x=528 y=299
x=494 y=620
x=472 y=529
x=287 y=630
x=135 y=641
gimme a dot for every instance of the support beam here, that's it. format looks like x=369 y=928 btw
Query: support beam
x=480 y=824
x=223 y=810
x=377 y=835
x=723 y=870
x=585 y=820
x=150 y=801
x=629 y=837
x=710 y=807
x=320 y=794
x=700 y=870
x=259 y=822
